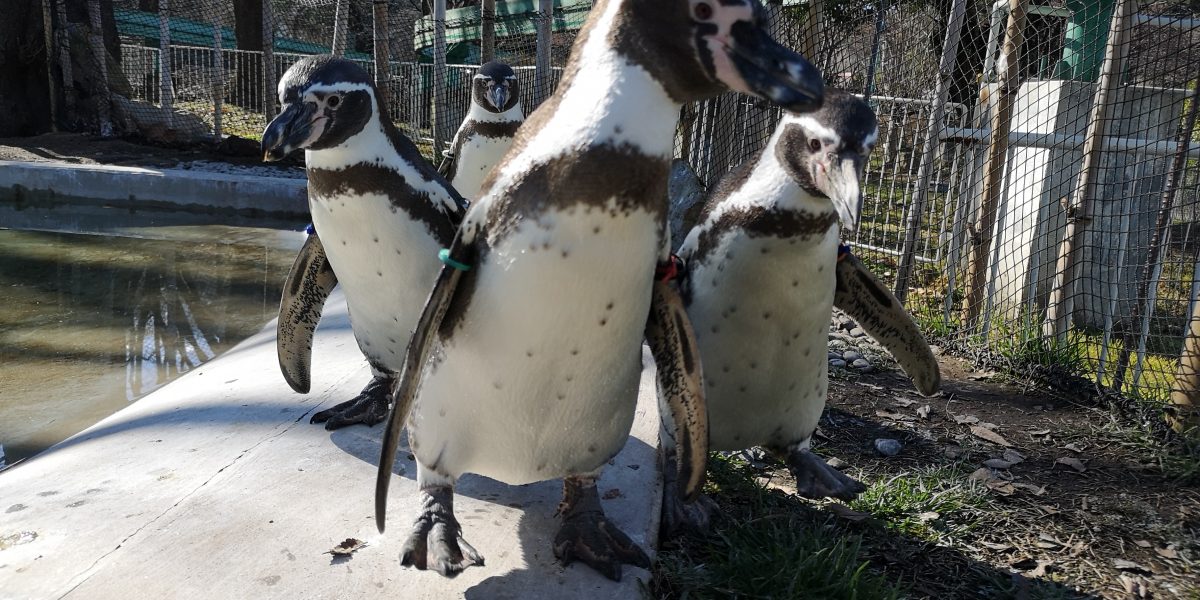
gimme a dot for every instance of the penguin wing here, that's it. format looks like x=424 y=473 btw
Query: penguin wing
x=882 y=315
x=305 y=290
x=449 y=164
x=457 y=259
x=680 y=384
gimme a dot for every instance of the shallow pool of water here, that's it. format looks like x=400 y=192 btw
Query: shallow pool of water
x=90 y=323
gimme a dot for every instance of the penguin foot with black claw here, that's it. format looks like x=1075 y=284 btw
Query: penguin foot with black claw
x=587 y=535
x=815 y=479
x=369 y=407
x=436 y=540
x=683 y=518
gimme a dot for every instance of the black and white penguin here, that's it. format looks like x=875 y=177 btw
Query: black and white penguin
x=527 y=356
x=488 y=130
x=760 y=284
x=379 y=212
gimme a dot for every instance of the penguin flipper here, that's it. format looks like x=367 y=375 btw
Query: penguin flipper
x=680 y=385
x=448 y=165
x=414 y=361
x=882 y=316
x=305 y=290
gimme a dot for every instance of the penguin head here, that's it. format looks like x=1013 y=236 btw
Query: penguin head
x=325 y=100
x=495 y=87
x=701 y=48
x=826 y=151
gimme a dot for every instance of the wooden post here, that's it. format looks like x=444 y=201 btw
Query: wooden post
x=813 y=28
x=1191 y=361
x=487 y=24
x=269 y=95
x=166 y=89
x=440 y=134
x=982 y=226
x=48 y=32
x=218 y=70
x=1183 y=414
x=63 y=43
x=542 y=58
x=100 y=53
x=1079 y=212
x=932 y=139
x=383 y=69
x=341 y=22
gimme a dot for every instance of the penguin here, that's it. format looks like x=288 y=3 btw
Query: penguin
x=487 y=131
x=379 y=212
x=762 y=274
x=525 y=363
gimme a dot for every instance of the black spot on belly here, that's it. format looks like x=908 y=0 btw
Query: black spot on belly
x=714 y=328
x=574 y=351
x=603 y=322
x=609 y=307
x=767 y=315
x=725 y=369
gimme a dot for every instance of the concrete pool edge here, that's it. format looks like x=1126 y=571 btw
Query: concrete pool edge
x=139 y=187
x=217 y=486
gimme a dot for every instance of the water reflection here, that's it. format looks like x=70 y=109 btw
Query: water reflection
x=89 y=323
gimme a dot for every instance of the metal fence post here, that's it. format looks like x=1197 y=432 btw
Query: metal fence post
x=439 y=77
x=383 y=70
x=542 y=58
x=218 y=70
x=932 y=139
x=1079 y=213
x=341 y=21
x=982 y=226
x=268 y=58
x=487 y=20
x=166 y=90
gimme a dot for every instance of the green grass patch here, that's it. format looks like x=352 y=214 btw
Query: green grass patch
x=931 y=503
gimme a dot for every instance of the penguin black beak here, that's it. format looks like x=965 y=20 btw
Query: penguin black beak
x=291 y=130
x=498 y=96
x=772 y=71
x=844 y=176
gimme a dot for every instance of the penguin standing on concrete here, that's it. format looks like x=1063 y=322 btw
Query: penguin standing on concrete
x=488 y=130
x=760 y=285
x=379 y=212
x=527 y=357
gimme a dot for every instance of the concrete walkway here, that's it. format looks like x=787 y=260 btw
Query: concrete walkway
x=216 y=486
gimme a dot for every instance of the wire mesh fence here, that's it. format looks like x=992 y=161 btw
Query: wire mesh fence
x=1035 y=191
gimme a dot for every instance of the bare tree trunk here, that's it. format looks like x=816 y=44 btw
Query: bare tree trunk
x=96 y=40
x=248 y=28
x=383 y=71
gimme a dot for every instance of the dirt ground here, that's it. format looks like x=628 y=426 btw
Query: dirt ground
x=1052 y=498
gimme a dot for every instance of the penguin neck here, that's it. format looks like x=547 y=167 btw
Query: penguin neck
x=479 y=113
x=770 y=186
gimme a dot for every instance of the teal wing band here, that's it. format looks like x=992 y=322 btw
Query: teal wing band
x=444 y=256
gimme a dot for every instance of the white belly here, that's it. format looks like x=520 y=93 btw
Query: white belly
x=540 y=378
x=762 y=328
x=385 y=262
x=476 y=157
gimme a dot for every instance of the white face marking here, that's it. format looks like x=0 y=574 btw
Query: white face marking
x=869 y=141
x=816 y=130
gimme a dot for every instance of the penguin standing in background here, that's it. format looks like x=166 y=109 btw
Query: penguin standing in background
x=525 y=363
x=762 y=273
x=379 y=211
x=488 y=130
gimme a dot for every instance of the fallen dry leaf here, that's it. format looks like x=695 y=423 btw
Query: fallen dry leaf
x=966 y=419
x=925 y=517
x=1072 y=462
x=1168 y=552
x=1073 y=447
x=347 y=547
x=892 y=416
x=1135 y=586
x=982 y=474
x=1013 y=456
x=1143 y=543
x=1043 y=566
x=996 y=547
x=1050 y=510
x=923 y=412
x=1128 y=565
x=1039 y=432
x=989 y=435
x=1036 y=490
x=846 y=512
x=997 y=463
x=905 y=402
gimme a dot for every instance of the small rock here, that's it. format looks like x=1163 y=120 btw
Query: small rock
x=834 y=356
x=952 y=452
x=887 y=447
x=837 y=363
x=857 y=332
x=836 y=345
x=851 y=355
x=861 y=364
x=845 y=323
x=837 y=463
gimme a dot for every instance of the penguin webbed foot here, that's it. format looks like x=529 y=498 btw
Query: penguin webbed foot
x=815 y=479
x=587 y=535
x=680 y=518
x=369 y=407
x=436 y=540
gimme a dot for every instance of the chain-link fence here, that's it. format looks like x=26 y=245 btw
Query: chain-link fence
x=1033 y=192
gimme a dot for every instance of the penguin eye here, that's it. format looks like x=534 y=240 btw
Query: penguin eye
x=814 y=144
x=334 y=101
x=702 y=11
